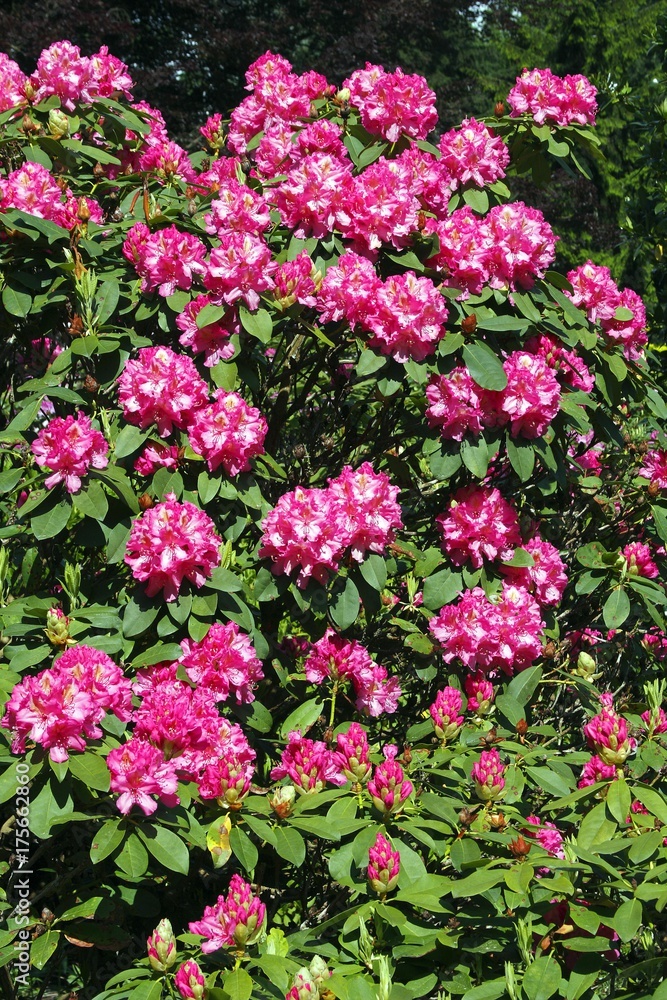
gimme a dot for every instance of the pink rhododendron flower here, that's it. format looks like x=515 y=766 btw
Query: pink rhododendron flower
x=454 y=404
x=238 y=207
x=168 y=162
x=212 y=339
x=566 y=365
x=139 y=771
x=228 y=433
x=389 y=788
x=69 y=446
x=189 y=981
x=595 y=770
x=639 y=560
x=348 y=291
x=595 y=291
x=531 y=398
x=161 y=947
x=170 y=543
x=240 y=268
x=522 y=245
x=212 y=130
x=157 y=456
x=479 y=525
x=308 y=763
x=464 y=254
x=303 y=531
x=32 y=189
x=393 y=104
x=224 y=662
x=62 y=707
x=166 y=259
x=654 y=468
x=473 y=153
x=503 y=632
x=488 y=775
x=384 y=866
x=550 y=98
x=408 y=316
x=546 y=579
x=228 y=780
x=12 y=83
x=380 y=207
x=312 y=198
x=655 y=724
x=162 y=388
x=236 y=920
x=547 y=836
x=366 y=503
x=351 y=754
x=445 y=713
x=297 y=281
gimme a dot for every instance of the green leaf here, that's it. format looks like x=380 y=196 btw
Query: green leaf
x=258 y=324
x=92 y=501
x=166 y=847
x=374 y=571
x=477 y=199
x=542 y=978
x=475 y=456
x=133 y=859
x=660 y=520
x=106 y=300
x=653 y=800
x=52 y=522
x=619 y=800
x=146 y=991
x=238 y=985
x=628 y=919
x=53 y=802
x=244 y=849
x=16 y=302
x=43 y=947
x=303 y=717
x=290 y=845
x=616 y=608
x=484 y=366
x=91 y=769
x=441 y=589
x=211 y=313
x=522 y=457
x=129 y=440
x=156 y=654
x=106 y=840
x=523 y=686
x=596 y=828
x=477 y=883
x=344 y=603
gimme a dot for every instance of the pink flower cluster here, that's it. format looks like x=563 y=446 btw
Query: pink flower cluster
x=310 y=529
x=308 y=764
x=445 y=713
x=69 y=446
x=546 y=97
x=488 y=774
x=236 y=920
x=473 y=154
x=162 y=388
x=341 y=660
x=528 y=403
x=479 y=525
x=595 y=291
x=594 y=771
x=566 y=365
x=546 y=579
x=654 y=468
x=166 y=259
x=170 y=543
x=157 y=456
x=210 y=339
x=405 y=314
x=499 y=633
x=228 y=433
x=224 y=662
x=639 y=560
x=60 y=708
x=547 y=835
x=480 y=692
x=655 y=724
x=392 y=104
x=32 y=189
x=138 y=771
x=384 y=866
x=63 y=71
x=297 y=282
x=388 y=788
x=509 y=248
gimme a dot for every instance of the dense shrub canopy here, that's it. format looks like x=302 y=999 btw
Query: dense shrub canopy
x=333 y=533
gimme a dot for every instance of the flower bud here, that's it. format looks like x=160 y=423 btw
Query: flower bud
x=282 y=800
x=487 y=773
x=343 y=96
x=384 y=866
x=320 y=971
x=190 y=983
x=389 y=788
x=57 y=628
x=586 y=665
x=304 y=987
x=58 y=124
x=161 y=947
x=445 y=713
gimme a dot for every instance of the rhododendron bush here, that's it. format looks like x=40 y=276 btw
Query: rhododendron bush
x=334 y=525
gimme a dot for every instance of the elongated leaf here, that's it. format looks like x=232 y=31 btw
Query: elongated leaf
x=628 y=919
x=52 y=522
x=166 y=847
x=290 y=845
x=484 y=366
x=91 y=769
x=616 y=608
x=244 y=849
x=345 y=604
x=542 y=978
x=106 y=840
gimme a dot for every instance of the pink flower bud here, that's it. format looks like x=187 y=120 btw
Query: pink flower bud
x=189 y=981
x=351 y=757
x=655 y=724
x=445 y=713
x=303 y=987
x=480 y=693
x=487 y=774
x=389 y=788
x=236 y=919
x=607 y=735
x=595 y=770
x=161 y=946
x=384 y=866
